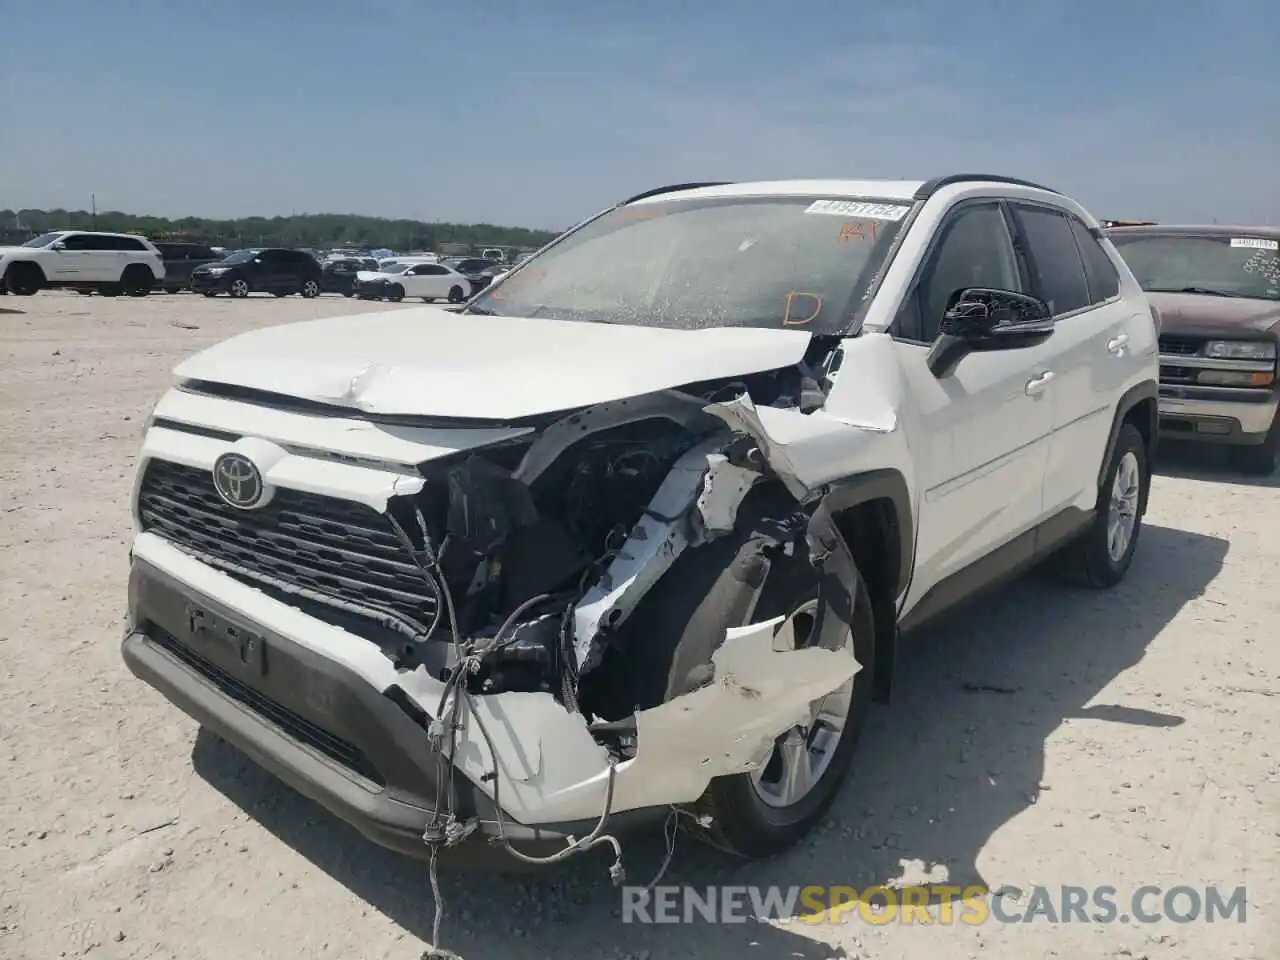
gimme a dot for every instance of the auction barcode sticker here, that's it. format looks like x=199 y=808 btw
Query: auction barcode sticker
x=1255 y=243
x=859 y=209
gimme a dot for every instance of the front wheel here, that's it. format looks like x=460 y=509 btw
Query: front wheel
x=239 y=288
x=707 y=590
x=24 y=279
x=310 y=289
x=1102 y=555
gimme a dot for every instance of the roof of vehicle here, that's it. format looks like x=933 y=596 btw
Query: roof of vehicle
x=101 y=233
x=905 y=190
x=1196 y=230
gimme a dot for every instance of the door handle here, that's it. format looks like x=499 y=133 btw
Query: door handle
x=1117 y=344
x=1037 y=385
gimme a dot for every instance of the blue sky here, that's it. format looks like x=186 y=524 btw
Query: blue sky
x=539 y=113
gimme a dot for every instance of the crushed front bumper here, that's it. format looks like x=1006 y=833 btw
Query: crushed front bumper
x=309 y=720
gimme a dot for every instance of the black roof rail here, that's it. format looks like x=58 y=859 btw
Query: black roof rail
x=930 y=187
x=656 y=191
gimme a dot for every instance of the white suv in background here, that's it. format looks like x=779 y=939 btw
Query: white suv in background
x=109 y=263
x=642 y=525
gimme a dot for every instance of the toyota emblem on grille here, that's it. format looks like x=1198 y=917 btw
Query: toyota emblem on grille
x=238 y=481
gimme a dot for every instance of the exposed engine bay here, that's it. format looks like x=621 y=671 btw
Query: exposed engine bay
x=511 y=539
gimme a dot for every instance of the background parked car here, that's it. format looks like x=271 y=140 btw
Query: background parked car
x=430 y=281
x=339 y=276
x=273 y=270
x=83 y=260
x=478 y=271
x=180 y=258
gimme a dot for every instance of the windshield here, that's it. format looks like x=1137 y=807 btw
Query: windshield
x=43 y=240
x=724 y=262
x=1238 y=266
x=240 y=256
x=395 y=269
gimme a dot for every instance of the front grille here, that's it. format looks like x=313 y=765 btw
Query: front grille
x=328 y=550
x=293 y=725
x=1181 y=346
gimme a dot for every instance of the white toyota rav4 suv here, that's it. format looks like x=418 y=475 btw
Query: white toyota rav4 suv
x=110 y=263
x=638 y=530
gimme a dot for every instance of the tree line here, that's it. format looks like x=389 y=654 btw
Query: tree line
x=319 y=230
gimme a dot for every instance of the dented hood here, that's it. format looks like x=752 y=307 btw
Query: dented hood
x=429 y=362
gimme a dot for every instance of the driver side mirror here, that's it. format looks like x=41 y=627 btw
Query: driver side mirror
x=58 y=245
x=981 y=319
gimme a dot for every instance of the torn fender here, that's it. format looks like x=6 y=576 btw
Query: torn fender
x=553 y=771
x=856 y=430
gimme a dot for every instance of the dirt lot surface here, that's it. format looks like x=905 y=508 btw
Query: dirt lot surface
x=1130 y=738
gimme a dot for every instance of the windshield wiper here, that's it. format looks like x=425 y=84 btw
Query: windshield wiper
x=1204 y=291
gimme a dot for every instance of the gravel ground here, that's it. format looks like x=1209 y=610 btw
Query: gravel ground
x=1134 y=742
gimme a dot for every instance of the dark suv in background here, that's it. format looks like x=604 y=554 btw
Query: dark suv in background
x=270 y=270
x=478 y=270
x=180 y=259
x=339 y=276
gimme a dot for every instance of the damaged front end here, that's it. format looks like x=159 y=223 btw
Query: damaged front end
x=502 y=596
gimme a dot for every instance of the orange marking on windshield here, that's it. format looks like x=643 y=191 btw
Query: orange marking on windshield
x=861 y=229
x=792 y=298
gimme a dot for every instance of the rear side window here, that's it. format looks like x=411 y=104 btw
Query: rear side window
x=1057 y=270
x=1104 y=281
x=128 y=243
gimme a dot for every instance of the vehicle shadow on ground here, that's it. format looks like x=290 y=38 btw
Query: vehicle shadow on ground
x=958 y=754
x=1198 y=461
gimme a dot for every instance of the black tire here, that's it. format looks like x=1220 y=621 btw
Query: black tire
x=239 y=288
x=109 y=290
x=395 y=293
x=456 y=294
x=279 y=293
x=428 y=299
x=310 y=289
x=684 y=620
x=1088 y=560
x=209 y=293
x=348 y=293
x=24 y=279
x=137 y=280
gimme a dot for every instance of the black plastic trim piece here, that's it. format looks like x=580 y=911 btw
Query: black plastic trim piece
x=930 y=187
x=880 y=485
x=1147 y=390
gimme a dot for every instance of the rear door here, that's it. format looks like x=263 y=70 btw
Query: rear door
x=1070 y=272
x=270 y=271
x=429 y=280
